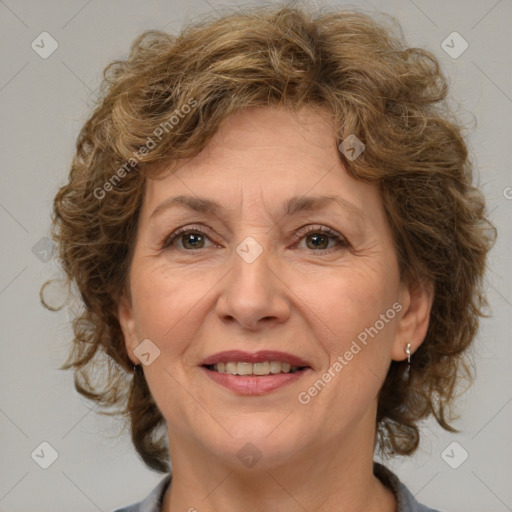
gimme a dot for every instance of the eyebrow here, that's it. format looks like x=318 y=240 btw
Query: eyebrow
x=293 y=206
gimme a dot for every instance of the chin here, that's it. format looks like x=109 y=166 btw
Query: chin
x=260 y=441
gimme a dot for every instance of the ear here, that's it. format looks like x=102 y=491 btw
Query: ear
x=127 y=322
x=416 y=300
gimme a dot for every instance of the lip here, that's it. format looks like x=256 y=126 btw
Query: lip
x=255 y=357
x=254 y=385
x=250 y=384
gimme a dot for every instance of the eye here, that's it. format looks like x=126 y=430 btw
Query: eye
x=318 y=238
x=190 y=238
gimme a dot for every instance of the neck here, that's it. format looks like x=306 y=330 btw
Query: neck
x=333 y=476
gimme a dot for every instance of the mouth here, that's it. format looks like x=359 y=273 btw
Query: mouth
x=254 y=374
x=254 y=369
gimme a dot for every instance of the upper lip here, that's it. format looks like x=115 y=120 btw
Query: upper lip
x=254 y=357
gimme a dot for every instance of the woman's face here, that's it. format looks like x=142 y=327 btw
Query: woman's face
x=275 y=276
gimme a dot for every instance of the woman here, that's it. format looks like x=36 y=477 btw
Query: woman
x=272 y=225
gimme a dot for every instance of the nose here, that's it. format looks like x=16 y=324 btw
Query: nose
x=254 y=295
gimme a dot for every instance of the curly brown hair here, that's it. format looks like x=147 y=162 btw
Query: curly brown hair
x=392 y=97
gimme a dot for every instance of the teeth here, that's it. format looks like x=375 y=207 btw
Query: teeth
x=231 y=368
x=263 y=368
x=275 y=367
x=244 y=369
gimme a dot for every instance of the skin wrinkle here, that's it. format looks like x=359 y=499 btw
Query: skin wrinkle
x=293 y=206
x=353 y=232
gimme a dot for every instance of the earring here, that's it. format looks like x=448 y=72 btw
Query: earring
x=407 y=350
x=407 y=372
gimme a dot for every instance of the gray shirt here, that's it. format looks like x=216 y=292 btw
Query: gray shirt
x=406 y=501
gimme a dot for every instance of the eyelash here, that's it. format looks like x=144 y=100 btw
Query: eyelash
x=333 y=235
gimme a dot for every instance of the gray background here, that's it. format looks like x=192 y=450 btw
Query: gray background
x=44 y=103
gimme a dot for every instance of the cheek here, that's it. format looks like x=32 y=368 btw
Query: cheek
x=164 y=305
x=348 y=303
x=349 y=310
x=357 y=308
x=355 y=324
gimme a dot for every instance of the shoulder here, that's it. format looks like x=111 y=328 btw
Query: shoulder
x=152 y=502
x=406 y=502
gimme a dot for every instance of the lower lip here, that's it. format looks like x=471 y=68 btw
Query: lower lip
x=251 y=385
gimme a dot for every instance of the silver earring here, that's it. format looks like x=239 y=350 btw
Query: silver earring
x=407 y=350
x=407 y=372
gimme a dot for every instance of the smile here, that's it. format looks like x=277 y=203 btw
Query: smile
x=259 y=373
x=259 y=369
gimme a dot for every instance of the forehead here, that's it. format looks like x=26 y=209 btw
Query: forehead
x=264 y=156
